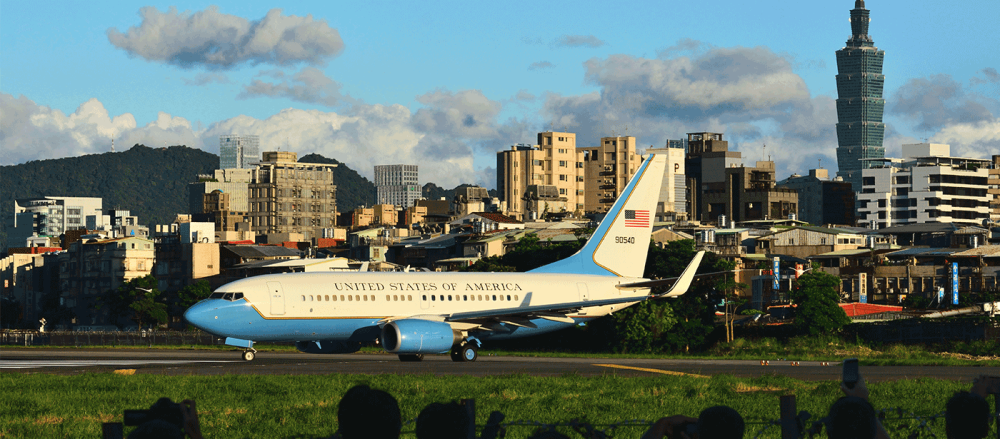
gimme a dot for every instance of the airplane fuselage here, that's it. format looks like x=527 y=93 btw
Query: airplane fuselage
x=351 y=306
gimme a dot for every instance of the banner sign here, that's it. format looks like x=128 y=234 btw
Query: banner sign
x=954 y=283
x=863 y=288
x=777 y=273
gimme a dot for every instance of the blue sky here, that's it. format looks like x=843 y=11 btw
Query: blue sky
x=446 y=84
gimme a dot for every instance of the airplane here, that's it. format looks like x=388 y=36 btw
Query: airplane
x=412 y=314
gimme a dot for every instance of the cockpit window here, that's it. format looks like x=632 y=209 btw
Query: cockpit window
x=216 y=295
x=227 y=296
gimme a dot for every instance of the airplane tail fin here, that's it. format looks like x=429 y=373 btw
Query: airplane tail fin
x=619 y=245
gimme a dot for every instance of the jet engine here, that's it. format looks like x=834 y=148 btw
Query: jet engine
x=328 y=347
x=415 y=336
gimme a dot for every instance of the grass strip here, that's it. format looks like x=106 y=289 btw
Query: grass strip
x=251 y=406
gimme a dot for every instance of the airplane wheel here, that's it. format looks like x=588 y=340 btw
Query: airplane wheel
x=469 y=352
x=411 y=357
x=248 y=355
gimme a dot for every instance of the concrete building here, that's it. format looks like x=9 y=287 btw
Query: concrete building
x=91 y=268
x=469 y=199
x=926 y=185
x=607 y=168
x=672 y=204
x=46 y=218
x=747 y=194
x=397 y=185
x=994 y=189
x=821 y=200
x=27 y=279
x=238 y=151
x=234 y=182
x=552 y=162
x=803 y=242
x=705 y=166
x=287 y=196
x=860 y=81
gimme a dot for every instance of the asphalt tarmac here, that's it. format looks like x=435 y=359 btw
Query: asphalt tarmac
x=198 y=362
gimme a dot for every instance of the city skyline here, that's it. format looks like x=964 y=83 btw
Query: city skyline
x=445 y=88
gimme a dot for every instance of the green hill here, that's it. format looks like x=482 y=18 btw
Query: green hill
x=150 y=182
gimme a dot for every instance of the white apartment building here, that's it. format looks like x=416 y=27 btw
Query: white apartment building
x=396 y=185
x=548 y=176
x=49 y=217
x=238 y=152
x=926 y=186
x=672 y=204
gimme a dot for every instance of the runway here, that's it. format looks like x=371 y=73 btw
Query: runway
x=199 y=362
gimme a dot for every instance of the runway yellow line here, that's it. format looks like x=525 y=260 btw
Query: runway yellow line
x=643 y=369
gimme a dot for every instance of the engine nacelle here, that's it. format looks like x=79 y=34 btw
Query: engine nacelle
x=415 y=336
x=328 y=347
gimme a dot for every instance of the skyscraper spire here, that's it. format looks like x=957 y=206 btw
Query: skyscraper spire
x=860 y=105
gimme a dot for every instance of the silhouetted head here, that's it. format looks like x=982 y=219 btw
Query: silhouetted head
x=967 y=416
x=442 y=421
x=852 y=418
x=720 y=422
x=366 y=413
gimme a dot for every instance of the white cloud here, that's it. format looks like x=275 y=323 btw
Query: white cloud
x=309 y=85
x=215 y=40
x=579 y=41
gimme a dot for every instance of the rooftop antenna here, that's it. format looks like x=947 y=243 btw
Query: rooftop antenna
x=112 y=144
x=820 y=164
x=763 y=152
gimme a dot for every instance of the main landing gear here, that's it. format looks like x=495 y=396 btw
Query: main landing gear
x=249 y=354
x=467 y=351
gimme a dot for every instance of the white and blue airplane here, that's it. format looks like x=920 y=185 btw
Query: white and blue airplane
x=412 y=314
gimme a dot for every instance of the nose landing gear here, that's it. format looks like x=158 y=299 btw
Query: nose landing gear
x=249 y=354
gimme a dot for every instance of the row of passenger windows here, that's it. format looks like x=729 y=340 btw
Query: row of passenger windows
x=472 y=298
x=406 y=298
x=350 y=298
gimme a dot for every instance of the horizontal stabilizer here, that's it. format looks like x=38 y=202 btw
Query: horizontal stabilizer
x=680 y=283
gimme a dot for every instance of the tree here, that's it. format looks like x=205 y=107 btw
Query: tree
x=193 y=294
x=136 y=300
x=10 y=312
x=817 y=310
x=693 y=318
x=641 y=328
x=730 y=294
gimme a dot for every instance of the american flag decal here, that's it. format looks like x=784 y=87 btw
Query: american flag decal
x=636 y=218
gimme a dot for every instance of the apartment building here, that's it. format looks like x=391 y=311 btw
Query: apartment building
x=91 y=268
x=747 y=194
x=607 y=168
x=994 y=189
x=672 y=203
x=40 y=221
x=397 y=185
x=552 y=162
x=927 y=185
x=291 y=197
x=822 y=200
x=234 y=182
x=705 y=166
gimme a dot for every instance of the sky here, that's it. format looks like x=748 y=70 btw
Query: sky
x=445 y=85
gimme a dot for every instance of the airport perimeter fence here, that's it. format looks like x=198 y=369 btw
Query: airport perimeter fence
x=108 y=338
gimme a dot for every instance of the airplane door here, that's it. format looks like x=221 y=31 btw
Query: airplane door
x=277 y=298
x=584 y=292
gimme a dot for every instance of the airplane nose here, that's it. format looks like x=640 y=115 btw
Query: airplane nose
x=201 y=316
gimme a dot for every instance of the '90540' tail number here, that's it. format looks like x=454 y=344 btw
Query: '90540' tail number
x=624 y=240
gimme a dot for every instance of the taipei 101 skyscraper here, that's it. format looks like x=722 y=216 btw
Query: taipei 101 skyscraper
x=859 y=100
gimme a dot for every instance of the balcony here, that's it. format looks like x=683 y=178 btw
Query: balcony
x=606 y=186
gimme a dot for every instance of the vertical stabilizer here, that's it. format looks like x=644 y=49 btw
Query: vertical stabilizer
x=619 y=245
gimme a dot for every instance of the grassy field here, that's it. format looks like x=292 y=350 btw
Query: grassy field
x=250 y=406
